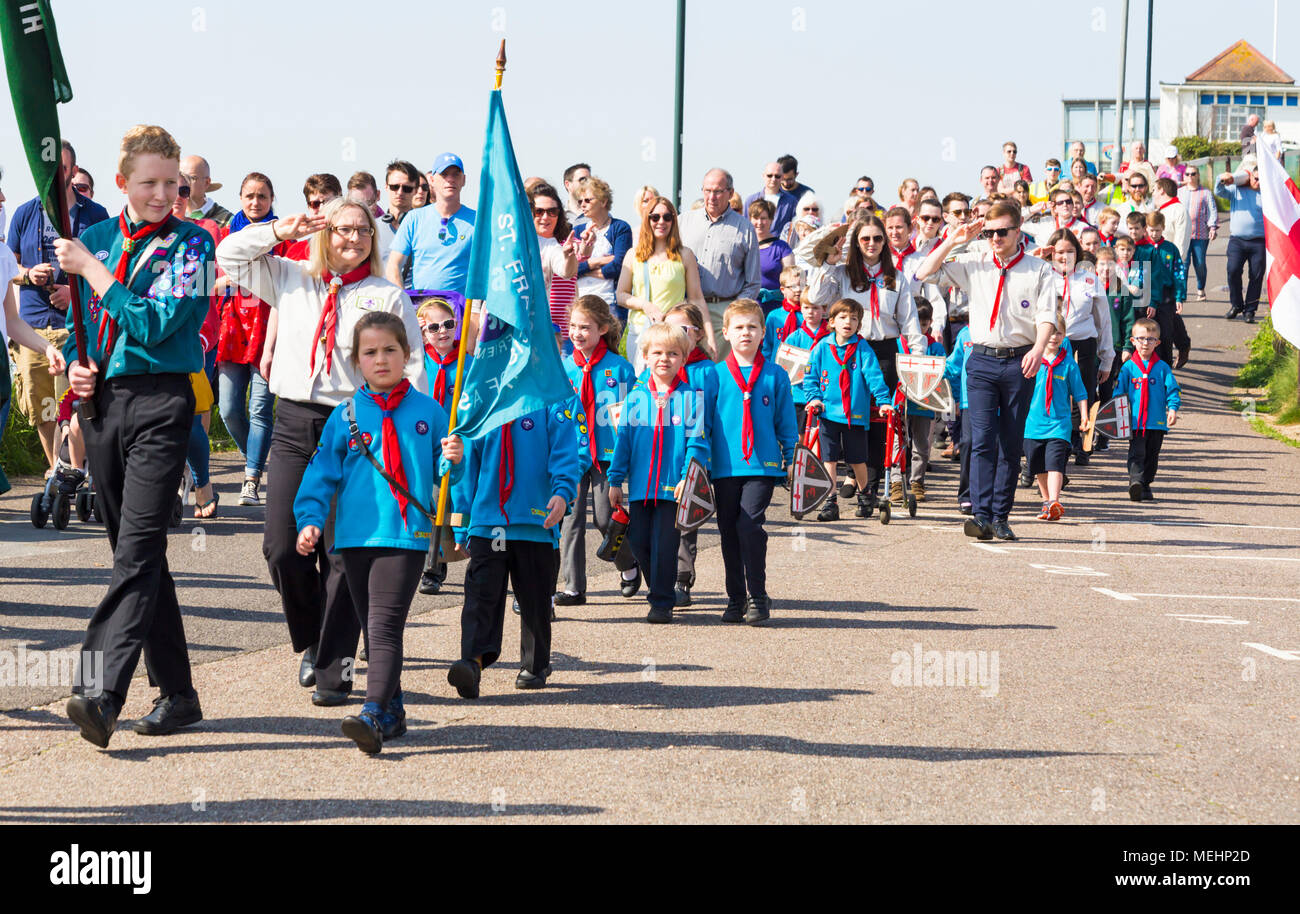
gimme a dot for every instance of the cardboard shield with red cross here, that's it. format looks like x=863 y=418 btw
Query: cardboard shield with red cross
x=697 y=504
x=923 y=381
x=1111 y=419
x=810 y=484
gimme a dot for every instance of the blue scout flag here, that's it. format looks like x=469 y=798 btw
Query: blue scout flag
x=517 y=367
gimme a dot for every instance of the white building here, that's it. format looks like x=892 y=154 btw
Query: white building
x=1215 y=101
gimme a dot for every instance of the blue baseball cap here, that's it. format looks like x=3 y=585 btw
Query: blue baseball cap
x=445 y=161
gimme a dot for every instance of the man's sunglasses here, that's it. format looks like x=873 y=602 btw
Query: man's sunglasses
x=85 y=189
x=932 y=218
x=999 y=232
x=402 y=188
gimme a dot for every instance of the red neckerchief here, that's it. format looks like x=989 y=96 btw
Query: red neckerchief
x=443 y=362
x=329 y=314
x=815 y=335
x=588 y=391
x=392 y=448
x=1108 y=240
x=108 y=326
x=1144 y=386
x=900 y=255
x=846 y=382
x=657 y=446
x=746 y=388
x=791 y=319
x=506 y=470
x=1002 y=277
x=1051 y=367
x=1170 y=202
x=1065 y=294
x=696 y=355
x=1144 y=241
x=872 y=278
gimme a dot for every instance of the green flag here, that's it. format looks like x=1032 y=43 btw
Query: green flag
x=37 y=82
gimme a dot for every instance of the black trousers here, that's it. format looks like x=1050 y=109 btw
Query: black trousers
x=963 y=483
x=531 y=569
x=653 y=535
x=1144 y=455
x=136 y=448
x=742 y=511
x=313 y=588
x=1085 y=355
x=1243 y=251
x=1165 y=314
x=999 y=397
x=382 y=583
x=955 y=427
x=887 y=355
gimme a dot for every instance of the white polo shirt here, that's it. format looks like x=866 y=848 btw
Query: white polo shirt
x=1028 y=297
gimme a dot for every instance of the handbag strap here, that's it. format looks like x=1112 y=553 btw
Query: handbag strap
x=350 y=414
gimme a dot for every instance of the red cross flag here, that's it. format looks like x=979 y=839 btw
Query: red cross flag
x=1280 y=201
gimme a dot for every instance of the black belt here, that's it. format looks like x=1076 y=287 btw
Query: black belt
x=714 y=299
x=1000 y=352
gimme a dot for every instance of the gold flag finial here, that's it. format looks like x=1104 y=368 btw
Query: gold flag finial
x=501 y=62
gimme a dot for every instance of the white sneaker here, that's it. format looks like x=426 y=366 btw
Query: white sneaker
x=248 y=495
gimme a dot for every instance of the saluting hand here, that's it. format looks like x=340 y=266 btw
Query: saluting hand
x=295 y=228
x=308 y=537
x=967 y=231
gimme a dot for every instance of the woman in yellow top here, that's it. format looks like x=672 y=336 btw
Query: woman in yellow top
x=657 y=274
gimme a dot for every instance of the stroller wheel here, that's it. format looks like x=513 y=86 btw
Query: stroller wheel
x=178 y=511
x=61 y=511
x=40 y=513
x=911 y=506
x=94 y=507
x=885 y=511
x=83 y=506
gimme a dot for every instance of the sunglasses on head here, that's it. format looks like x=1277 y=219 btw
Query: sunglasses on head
x=435 y=326
x=999 y=232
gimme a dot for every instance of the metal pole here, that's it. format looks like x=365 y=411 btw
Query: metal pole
x=1117 y=154
x=1146 y=100
x=677 y=107
x=1096 y=109
x=1274 y=31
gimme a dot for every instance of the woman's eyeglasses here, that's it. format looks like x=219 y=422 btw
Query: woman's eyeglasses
x=872 y=239
x=352 y=231
x=661 y=217
x=436 y=326
x=552 y=211
x=932 y=218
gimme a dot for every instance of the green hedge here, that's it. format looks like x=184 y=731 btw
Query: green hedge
x=1273 y=365
x=1197 y=147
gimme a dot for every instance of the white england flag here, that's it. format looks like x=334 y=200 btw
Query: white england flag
x=1280 y=201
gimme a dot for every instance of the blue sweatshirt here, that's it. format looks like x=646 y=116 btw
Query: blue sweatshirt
x=546 y=463
x=1163 y=393
x=432 y=369
x=822 y=382
x=368 y=512
x=773 y=324
x=159 y=316
x=934 y=348
x=802 y=339
x=771 y=410
x=650 y=474
x=955 y=369
x=1067 y=382
x=611 y=379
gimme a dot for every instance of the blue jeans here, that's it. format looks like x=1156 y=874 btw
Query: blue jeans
x=1196 y=256
x=197 y=453
x=999 y=397
x=249 y=425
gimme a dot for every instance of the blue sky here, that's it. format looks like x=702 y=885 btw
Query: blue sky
x=905 y=89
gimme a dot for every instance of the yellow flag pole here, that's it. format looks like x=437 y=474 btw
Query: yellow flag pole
x=444 y=487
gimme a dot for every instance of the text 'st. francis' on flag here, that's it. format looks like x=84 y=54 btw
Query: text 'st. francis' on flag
x=517 y=367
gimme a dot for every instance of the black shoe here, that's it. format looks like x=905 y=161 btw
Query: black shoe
x=1081 y=459
x=866 y=504
x=829 y=511
x=1146 y=494
x=760 y=610
x=1003 y=531
x=169 y=714
x=1250 y=317
x=659 y=615
x=570 y=599
x=1135 y=491
x=307 y=668
x=967 y=508
x=1183 y=357
x=465 y=676
x=527 y=680
x=682 y=594
x=1232 y=314
x=1026 y=480
x=330 y=698
x=735 y=611
x=1065 y=480
x=980 y=529
x=364 y=729
x=848 y=489
x=97 y=717
x=629 y=588
x=429 y=584
x=1100 y=443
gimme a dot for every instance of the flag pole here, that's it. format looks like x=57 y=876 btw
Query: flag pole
x=85 y=405
x=445 y=485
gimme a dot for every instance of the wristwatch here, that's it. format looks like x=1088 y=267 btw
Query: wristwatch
x=23 y=278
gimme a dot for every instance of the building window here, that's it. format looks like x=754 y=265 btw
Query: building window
x=1292 y=101
x=1275 y=100
x=1257 y=99
x=1223 y=99
x=1224 y=122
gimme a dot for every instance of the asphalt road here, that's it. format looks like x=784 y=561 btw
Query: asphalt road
x=1132 y=663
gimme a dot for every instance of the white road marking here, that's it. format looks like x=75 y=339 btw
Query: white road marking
x=1210 y=596
x=1207 y=619
x=1080 y=570
x=1285 y=655
x=1156 y=555
x=1116 y=594
x=990 y=548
